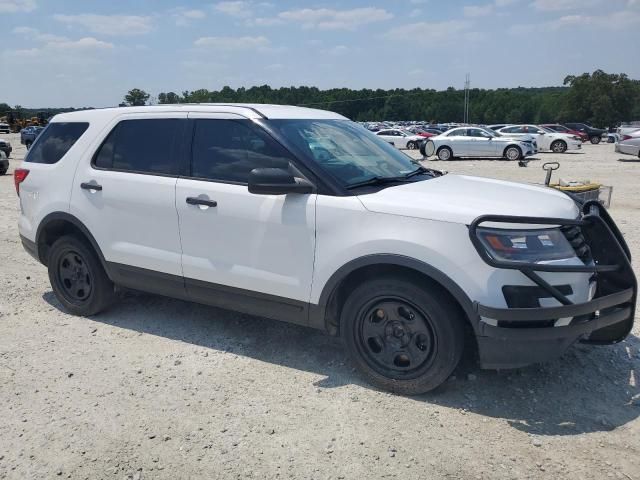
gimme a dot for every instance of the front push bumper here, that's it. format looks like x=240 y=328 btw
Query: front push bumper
x=514 y=337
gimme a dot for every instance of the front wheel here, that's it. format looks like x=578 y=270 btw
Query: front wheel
x=3 y=170
x=512 y=153
x=77 y=277
x=445 y=154
x=595 y=140
x=558 y=146
x=401 y=337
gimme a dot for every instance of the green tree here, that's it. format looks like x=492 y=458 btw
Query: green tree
x=136 y=97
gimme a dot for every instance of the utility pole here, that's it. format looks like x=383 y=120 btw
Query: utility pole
x=467 y=86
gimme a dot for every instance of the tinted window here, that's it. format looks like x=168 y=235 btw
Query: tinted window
x=227 y=150
x=476 y=132
x=141 y=146
x=460 y=132
x=55 y=142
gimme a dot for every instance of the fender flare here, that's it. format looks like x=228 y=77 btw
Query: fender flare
x=317 y=313
x=67 y=217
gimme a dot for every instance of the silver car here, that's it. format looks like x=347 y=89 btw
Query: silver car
x=629 y=143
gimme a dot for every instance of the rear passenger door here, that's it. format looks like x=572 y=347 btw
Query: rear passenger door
x=246 y=251
x=125 y=195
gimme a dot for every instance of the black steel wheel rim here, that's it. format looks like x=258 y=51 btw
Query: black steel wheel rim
x=395 y=337
x=74 y=276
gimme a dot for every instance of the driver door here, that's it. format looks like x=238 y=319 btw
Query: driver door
x=251 y=252
x=481 y=144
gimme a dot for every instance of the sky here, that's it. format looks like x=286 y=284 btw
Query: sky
x=74 y=53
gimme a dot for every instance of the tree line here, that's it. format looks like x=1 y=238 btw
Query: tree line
x=598 y=98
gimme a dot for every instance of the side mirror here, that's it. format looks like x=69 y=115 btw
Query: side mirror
x=277 y=181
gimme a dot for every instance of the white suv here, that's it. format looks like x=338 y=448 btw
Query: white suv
x=304 y=216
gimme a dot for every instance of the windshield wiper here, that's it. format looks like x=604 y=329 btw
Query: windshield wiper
x=376 y=181
x=402 y=179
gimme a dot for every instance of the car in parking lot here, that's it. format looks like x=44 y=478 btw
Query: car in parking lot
x=629 y=143
x=5 y=128
x=28 y=135
x=304 y=216
x=6 y=147
x=547 y=139
x=4 y=163
x=477 y=142
x=402 y=139
x=595 y=134
x=556 y=127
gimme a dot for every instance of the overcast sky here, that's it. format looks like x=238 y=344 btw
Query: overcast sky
x=89 y=53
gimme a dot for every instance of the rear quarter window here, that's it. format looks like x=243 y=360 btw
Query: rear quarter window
x=55 y=141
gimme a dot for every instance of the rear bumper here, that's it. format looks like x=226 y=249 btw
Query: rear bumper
x=514 y=337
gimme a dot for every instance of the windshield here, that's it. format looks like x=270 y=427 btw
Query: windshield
x=346 y=150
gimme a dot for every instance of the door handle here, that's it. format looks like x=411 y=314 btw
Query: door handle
x=201 y=201
x=90 y=186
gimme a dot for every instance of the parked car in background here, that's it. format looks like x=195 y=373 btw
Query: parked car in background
x=629 y=144
x=4 y=163
x=594 y=134
x=29 y=134
x=498 y=126
x=4 y=128
x=477 y=142
x=402 y=139
x=547 y=139
x=5 y=146
x=556 y=127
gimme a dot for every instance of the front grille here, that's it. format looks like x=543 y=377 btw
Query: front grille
x=575 y=237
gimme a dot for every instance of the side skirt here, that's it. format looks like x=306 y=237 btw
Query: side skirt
x=222 y=296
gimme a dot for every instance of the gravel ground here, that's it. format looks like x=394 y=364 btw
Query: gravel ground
x=159 y=388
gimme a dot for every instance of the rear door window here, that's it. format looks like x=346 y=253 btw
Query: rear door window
x=141 y=146
x=55 y=141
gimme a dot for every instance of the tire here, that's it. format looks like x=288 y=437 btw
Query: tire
x=28 y=145
x=512 y=153
x=558 y=146
x=78 y=278
x=595 y=140
x=412 y=145
x=445 y=154
x=402 y=337
x=3 y=170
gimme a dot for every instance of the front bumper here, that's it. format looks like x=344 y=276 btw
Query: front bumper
x=514 y=337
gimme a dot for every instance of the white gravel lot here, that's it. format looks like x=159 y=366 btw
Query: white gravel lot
x=160 y=388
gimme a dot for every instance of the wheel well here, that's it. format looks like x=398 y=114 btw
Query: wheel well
x=353 y=279
x=52 y=231
x=443 y=146
x=509 y=146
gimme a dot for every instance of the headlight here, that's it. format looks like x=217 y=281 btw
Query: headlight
x=526 y=246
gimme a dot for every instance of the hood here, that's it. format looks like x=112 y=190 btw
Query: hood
x=460 y=199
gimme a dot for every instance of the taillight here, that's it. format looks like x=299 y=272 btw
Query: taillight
x=627 y=137
x=19 y=176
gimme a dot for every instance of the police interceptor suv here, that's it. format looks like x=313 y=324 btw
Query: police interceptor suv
x=304 y=216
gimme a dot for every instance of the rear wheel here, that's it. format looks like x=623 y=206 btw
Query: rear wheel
x=3 y=170
x=28 y=144
x=512 y=153
x=401 y=337
x=77 y=277
x=412 y=145
x=558 y=146
x=595 y=140
x=444 y=153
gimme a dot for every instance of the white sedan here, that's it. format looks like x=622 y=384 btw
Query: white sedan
x=547 y=139
x=629 y=143
x=401 y=138
x=478 y=142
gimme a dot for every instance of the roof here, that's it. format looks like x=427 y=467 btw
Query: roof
x=248 y=110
